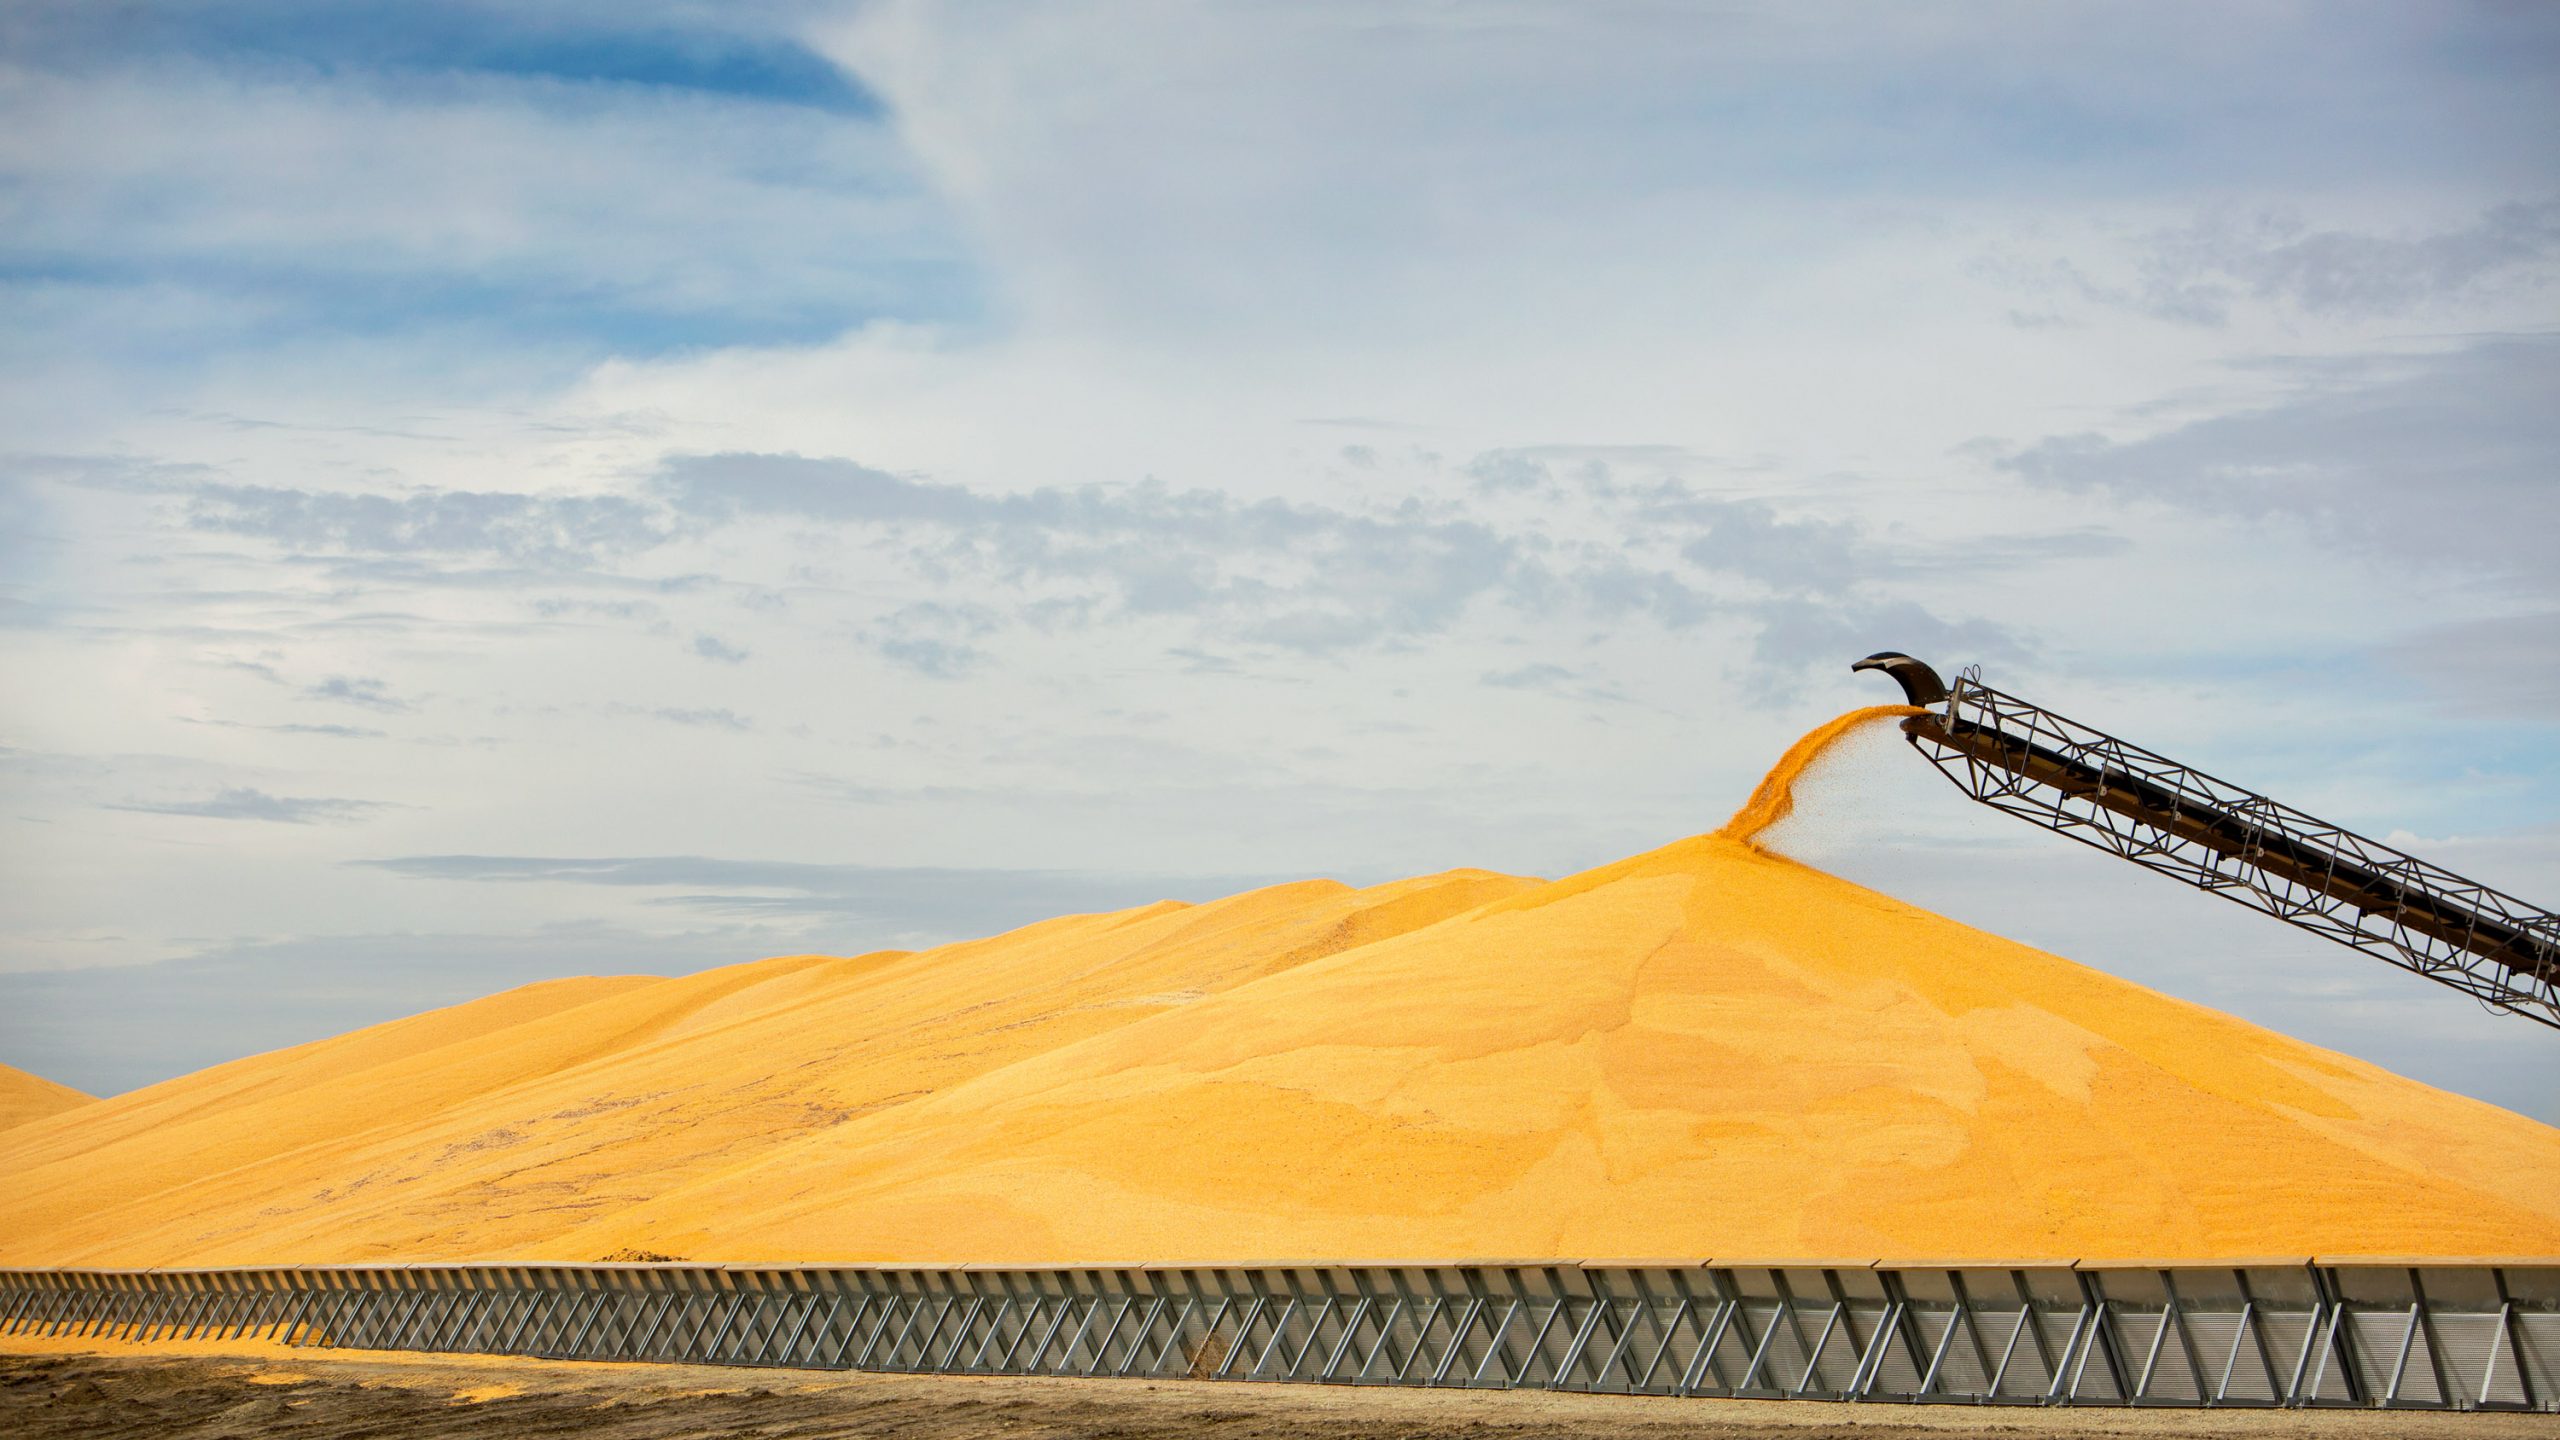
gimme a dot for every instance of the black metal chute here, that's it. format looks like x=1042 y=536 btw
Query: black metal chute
x=1919 y=683
x=2116 y=796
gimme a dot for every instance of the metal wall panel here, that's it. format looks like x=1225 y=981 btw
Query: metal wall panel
x=2461 y=1337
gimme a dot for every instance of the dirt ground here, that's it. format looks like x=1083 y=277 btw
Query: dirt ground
x=50 y=1389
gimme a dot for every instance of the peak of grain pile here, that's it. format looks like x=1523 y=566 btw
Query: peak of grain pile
x=1704 y=1051
x=25 y=1097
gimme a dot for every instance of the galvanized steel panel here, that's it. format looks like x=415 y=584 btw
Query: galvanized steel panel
x=2257 y=1333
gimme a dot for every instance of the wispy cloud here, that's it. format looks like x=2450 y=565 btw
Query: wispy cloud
x=249 y=804
x=1749 y=538
x=933 y=639
x=1540 y=676
x=2443 y=459
x=705 y=719
x=712 y=647
x=2198 y=273
x=334 y=732
x=1546 y=678
x=1293 y=575
x=1501 y=472
x=938 y=658
x=1799 y=633
x=1303 y=576
x=1290 y=575
x=886 y=902
x=369 y=691
x=2228 y=261
x=549 y=532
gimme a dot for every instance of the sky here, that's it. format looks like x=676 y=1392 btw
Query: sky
x=496 y=492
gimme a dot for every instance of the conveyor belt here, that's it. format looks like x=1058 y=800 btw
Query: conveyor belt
x=2109 y=793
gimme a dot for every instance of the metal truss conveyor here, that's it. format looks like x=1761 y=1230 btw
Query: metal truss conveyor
x=2109 y=793
x=2444 y=1335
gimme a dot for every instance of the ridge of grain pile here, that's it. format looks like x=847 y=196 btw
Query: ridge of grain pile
x=25 y=1097
x=1704 y=1051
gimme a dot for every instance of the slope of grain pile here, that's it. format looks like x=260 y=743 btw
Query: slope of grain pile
x=495 y=1127
x=1704 y=1051
x=25 y=1097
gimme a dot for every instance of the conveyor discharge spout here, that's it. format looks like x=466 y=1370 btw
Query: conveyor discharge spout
x=2164 y=816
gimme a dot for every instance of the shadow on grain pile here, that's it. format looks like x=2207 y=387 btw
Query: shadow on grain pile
x=105 y=1397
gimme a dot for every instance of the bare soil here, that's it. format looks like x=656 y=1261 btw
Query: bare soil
x=60 y=1391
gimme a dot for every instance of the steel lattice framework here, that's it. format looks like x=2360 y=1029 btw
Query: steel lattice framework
x=2019 y=757
x=2479 y=1335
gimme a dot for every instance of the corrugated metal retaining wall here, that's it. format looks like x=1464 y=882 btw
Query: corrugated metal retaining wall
x=2475 y=1336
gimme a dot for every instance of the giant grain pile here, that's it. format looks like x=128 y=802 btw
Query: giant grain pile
x=25 y=1097
x=1704 y=1051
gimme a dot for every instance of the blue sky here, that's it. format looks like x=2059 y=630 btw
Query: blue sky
x=570 y=180
x=490 y=492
